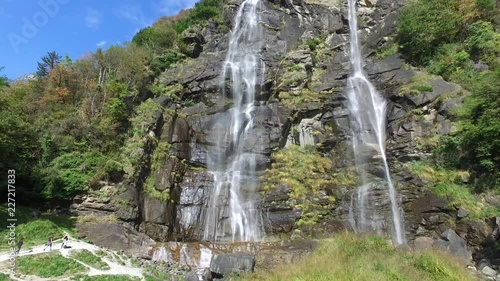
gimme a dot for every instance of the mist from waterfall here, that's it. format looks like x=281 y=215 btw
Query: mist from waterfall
x=232 y=213
x=368 y=121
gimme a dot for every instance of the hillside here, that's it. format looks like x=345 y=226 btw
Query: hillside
x=231 y=126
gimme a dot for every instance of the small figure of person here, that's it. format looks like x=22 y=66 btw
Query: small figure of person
x=64 y=241
x=34 y=214
x=19 y=245
x=49 y=244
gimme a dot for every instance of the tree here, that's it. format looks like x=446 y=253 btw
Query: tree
x=49 y=62
x=157 y=38
x=4 y=81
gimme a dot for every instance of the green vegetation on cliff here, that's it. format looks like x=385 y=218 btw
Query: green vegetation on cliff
x=460 y=40
x=349 y=257
x=304 y=171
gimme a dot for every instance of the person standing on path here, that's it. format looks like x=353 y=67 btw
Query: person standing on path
x=19 y=245
x=64 y=241
x=49 y=244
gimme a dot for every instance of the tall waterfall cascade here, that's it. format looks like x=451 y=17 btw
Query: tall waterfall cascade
x=232 y=211
x=368 y=120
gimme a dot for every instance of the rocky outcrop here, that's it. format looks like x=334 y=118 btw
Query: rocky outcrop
x=454 y=244
x=212 y=261
x=227 y=264
x=116 y=236
x=300 y=101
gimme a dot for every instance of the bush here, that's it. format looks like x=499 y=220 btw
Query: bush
x=480 y=131
x=313 y=43
x=424 y=25
x=163 y=62
x=157 y=38
x=306 y=172
x=70 y=174
x=484 y=43
x=452 y=184
x=448 y=60
x=202 y=11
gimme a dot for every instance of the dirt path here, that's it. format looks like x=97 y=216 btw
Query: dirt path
x=112 y=259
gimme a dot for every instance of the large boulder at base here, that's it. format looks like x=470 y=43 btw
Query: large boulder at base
x=116 y=237
x=454 y=244
x=225 y=264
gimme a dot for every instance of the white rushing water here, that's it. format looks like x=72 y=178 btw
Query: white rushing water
x=368 y=114
x=232 y=214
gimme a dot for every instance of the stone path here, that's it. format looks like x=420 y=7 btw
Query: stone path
x=114 y=260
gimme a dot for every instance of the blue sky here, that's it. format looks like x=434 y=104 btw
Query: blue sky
x=31 y=28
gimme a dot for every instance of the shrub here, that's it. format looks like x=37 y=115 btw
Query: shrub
x=201 y=12
x=484 y=43
x=70 y=173
x=313 y=43
x=424 y=25
x=448 y=60
x=475 y=145
x=306 y=172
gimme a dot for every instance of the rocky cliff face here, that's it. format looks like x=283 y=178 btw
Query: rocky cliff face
x=301 y=101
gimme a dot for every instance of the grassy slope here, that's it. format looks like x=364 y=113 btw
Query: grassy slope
x=48 y=265
x=35 y=231
x=352 y=258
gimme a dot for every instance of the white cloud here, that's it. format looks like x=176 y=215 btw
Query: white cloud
x=93 y=18
x=172 y=7
x=134 y=14
x=101 y=43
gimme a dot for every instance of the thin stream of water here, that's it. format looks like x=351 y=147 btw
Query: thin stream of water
x=368 y=114
x=232 y=213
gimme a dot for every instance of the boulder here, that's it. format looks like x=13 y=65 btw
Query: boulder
x=488 y=271
x=116 y=237
x=225 y=264
x=452 y=243
x=423 y=243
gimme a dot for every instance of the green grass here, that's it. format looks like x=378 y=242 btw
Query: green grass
x=153 y=274
x=353 y=258
x=35 y=231
x=388 y=50
x=4 y=277
x=48 y=265
x=421 y=82
x=452 y=184
x=87 y=257
x=421 y=87
x=104 y=278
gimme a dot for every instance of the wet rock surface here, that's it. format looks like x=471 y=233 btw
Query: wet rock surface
x=223 y=265
x=301 y=101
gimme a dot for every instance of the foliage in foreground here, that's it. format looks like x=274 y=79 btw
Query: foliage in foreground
x=353 y=258
x=48 y=265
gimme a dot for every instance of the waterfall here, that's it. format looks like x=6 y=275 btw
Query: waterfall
x=368 y=113
x=232 y=213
